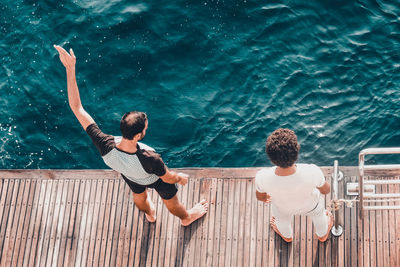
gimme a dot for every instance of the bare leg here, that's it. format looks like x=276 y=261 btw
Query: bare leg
x=144 y=203
x=186 y=216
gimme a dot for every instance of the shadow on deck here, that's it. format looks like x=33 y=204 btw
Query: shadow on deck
x=88 y=218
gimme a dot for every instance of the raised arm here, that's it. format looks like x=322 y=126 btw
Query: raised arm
x=74 y=100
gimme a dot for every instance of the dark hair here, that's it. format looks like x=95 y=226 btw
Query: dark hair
x=132 y=123
x=282 y=147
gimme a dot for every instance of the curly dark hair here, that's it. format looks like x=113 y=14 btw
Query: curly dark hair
x=282 y=147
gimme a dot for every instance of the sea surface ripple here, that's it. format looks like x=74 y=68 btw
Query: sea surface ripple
x=215 y=78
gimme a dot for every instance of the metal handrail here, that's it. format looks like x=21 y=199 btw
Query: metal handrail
x=362 y=167
x=337 y=229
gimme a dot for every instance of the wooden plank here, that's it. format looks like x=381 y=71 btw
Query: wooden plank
x=392 y=233
x=328 y=243
x=178 y=232
x=296 y=240
x=44 y=224
x=129 y=228
x=271 y=241
x=24 y=212
x=397 y=214
x=117 y=223
x=12 y=224
x=309 y=242
x=194 y=173
x=322 y=248
x=223 y=220
x=195 y=234
x=146 y=238
x=46 y=233
x=58 y=174
x=262 y=235
x=152 y=241
x=248 y=222
x=62 y=233
x=315 y=244
x=7 y=212
x=276 y=253
x=378 y=231
x=217 y=223
x=385 y=233
x=211 y=223
x=372 y=236
x=187 y=231
x=4 y=199
x=30 y=216
x=266 y=233
x=354 y=232
x=366 y=242
x=347 y=236
x=139 y=237
x=360 y=237
x=96 y=220
x=106 y=237
x=229 y=217
x=200 y=235
x=284 y=253
x=74 y=226
x=236 y=218
x=206 y=192
x=242 y=222
x=102 y=225
x=54 y=222
x=163 y=224
x=160 y=225
x=90 y=220
x=83 y=222
x=303 y=233
x=30 y=251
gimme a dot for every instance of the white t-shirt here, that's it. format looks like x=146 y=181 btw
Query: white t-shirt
x=292 y=194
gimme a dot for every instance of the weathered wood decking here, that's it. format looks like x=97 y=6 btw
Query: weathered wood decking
x=87 y=218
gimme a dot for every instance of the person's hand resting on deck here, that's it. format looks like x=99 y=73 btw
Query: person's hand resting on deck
x=183 y=178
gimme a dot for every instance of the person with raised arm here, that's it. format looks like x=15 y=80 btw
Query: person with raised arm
x=292 y=189
x=138 y=164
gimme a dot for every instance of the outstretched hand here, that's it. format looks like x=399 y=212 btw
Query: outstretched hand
x=67 y=59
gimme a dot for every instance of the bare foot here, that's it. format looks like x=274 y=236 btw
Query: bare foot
x=152 y=217
x=275 y=228
x=196 y=212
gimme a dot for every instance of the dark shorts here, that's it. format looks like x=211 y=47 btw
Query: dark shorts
x=165 y=190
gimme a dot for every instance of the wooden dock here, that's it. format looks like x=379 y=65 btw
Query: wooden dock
x=88 y=218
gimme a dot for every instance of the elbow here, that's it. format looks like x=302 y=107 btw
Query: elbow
x=76 y=108
x=326 y=190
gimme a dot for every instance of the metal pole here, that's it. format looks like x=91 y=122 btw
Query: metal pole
x=361 y=182
x=337 y=230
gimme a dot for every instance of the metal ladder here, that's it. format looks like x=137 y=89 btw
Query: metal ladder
x=365 y=188
x=371 y=196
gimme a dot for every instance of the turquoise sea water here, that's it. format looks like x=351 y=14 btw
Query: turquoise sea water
x=215 y=78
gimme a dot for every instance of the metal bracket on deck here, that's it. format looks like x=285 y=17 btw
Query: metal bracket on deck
x=339 y=175
x=352 y=189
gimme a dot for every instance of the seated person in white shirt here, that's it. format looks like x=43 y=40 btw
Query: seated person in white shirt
x=292 y=189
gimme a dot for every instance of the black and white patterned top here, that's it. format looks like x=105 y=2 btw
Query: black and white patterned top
x=143 y=167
